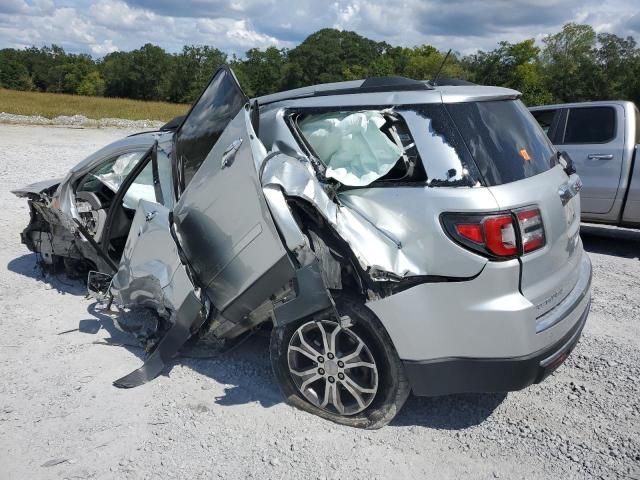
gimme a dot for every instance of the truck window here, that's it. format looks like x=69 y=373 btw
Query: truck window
x=545 y=118
x=590 y=125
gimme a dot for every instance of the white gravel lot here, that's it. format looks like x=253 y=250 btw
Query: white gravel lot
x=60 y=417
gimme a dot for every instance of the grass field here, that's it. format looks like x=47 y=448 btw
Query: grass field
x=51 y=105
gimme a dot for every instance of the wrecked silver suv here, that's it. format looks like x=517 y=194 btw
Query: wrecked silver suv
x=398 y=236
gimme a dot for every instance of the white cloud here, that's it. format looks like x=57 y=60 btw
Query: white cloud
x=118 y=15
x=101 y=49
x=237 y=32
x=102 y=26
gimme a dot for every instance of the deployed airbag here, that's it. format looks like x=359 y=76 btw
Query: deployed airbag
x=351 y=145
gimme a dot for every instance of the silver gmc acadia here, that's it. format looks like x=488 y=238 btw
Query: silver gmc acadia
x=394 y=235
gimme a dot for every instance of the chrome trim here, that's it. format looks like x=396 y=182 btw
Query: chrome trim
x=571 y=301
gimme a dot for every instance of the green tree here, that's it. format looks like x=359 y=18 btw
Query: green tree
x=573 y=64
x=68 y=72
x=618 y=60
x=261 y=72
x=569 y=59
x=13 y=73
x=191 y=70
x=512 y=65
x=423 y=62
x=91 y=85
x=324 y=56
x=140 y=74
x=118 y=72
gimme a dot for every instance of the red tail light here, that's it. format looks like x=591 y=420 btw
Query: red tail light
x=531 y=229
x=502 y=236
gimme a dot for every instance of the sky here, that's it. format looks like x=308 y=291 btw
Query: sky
x=99 y=27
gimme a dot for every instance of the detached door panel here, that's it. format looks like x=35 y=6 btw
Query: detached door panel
x=224 y=226
x=595 y=141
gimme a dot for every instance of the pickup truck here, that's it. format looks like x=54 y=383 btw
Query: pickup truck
x=602 y=140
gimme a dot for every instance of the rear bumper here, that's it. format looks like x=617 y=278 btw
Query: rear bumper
x=482 y=335
x=482 y=375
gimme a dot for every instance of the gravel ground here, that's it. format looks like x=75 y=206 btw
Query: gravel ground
x=78 y=121
x=224 y=417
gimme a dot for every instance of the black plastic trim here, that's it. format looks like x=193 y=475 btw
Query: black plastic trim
x=634 y=159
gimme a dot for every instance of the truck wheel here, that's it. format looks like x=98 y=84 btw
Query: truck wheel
x=350 y=375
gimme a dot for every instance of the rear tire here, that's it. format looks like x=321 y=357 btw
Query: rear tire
x=370 y=387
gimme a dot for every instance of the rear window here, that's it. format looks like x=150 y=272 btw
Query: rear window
x=590 y=125
x=504 y=139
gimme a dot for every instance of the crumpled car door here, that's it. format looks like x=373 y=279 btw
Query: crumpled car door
x=222 y=221
x=150 y=272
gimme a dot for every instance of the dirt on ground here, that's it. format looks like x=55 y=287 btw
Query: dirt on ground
x=224 y=417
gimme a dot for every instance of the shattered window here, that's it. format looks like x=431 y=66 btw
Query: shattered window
x=362 y=147
x=444 y=154
x=112 y=173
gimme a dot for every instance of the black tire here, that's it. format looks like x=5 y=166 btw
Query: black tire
x=393 y=387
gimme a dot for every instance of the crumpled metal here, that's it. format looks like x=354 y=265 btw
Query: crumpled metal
x=376 y=250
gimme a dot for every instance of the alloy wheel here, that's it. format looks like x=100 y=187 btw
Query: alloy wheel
x=332 y=367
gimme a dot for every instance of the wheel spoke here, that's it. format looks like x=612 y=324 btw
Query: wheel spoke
x=303 y=373
x=309 y=381
x=336 y=400
x=304 y=352
x=353 y=354
x=332 y=394
x=359 y=364
x=324 y=337
x=351 y=382
x=327 y=393
x=309 y=348
x=332 y=339
x=353 y=393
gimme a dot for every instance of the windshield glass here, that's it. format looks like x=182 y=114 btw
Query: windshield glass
x=504 y=139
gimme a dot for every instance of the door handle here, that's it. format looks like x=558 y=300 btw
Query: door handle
x=600 y=156
x=229 y=153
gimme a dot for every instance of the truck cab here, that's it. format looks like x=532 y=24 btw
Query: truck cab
x=602 y=140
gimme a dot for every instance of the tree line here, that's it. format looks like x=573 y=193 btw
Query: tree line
x=575 y=64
